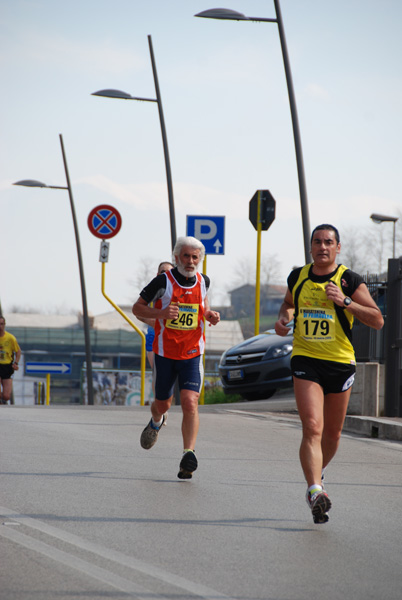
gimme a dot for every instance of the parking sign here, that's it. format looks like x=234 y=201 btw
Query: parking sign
x=208 y=230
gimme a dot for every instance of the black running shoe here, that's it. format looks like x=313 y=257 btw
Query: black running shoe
x=321 y=519
x=188 y=465
x=319 y=504
x=149 y=436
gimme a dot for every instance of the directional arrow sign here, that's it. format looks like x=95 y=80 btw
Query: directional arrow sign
x=104 y=252
x=43 y=367
x=208 y=230
x=217 y=245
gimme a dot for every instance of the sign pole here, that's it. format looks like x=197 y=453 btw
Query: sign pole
x=104 y=222
x=202 y=394
x=48 y=389
x=258 y=270
x=261 y=215
x=210 y=230
x=103 y=258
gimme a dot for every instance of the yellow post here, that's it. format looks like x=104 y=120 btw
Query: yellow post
x=202 y=394
x=258 y=269
x=47 y=389
x=134 y=326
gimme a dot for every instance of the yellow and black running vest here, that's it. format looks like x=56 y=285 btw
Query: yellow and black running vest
x=323 y=329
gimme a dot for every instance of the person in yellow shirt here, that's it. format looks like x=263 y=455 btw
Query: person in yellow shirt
x=10 y=354
x=323 y=298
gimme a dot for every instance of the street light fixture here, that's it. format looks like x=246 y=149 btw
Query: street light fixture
x=376 y=218
x=158 y=100
x=35 y=183
x=232 y=15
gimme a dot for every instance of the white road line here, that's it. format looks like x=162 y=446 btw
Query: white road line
x=196 y=589
x=68 y=560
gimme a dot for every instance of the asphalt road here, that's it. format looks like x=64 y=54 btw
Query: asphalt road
x=87 y=514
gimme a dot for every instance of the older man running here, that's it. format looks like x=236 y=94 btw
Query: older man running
x=180 y=305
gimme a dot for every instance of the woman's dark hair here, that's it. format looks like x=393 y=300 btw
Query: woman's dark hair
x=164 y=262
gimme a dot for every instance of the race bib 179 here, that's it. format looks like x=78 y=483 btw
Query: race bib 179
x=317 y=324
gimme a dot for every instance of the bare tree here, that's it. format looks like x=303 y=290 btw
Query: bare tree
x=353 y=252
x=379 y=247
x=245 y=270
x=367 y=250
x=147 y=268
x=270 y=269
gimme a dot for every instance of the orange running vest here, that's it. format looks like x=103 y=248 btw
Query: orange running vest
x=184 y=337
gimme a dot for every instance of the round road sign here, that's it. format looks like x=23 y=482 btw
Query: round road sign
x=104 y=221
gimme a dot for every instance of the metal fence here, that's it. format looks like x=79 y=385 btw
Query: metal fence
x=393 y=340
x=369 y=344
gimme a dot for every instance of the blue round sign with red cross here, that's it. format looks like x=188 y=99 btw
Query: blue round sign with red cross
x=104 y=221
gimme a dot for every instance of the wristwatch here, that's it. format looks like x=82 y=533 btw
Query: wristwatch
x=347 y=301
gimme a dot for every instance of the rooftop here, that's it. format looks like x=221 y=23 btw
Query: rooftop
x=218 y=338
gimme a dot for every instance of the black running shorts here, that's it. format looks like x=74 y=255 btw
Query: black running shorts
x=6 y=371
x=189 y=373
x=333 y=377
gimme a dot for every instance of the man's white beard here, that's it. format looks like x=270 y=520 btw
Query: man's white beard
x=183 y=271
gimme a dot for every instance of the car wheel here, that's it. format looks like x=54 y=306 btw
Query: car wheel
x=258 y=395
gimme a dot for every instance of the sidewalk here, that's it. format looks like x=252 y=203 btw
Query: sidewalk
x=387 y=428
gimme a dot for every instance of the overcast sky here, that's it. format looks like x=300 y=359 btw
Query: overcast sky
x=228 y=124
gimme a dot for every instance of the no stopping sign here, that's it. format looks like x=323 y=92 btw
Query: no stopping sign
x=104 y=221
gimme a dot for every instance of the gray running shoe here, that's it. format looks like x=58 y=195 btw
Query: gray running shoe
x=188 y=465
x=149 y=436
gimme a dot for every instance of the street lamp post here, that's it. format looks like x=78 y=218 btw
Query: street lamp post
x=124 y=96
x=232 y=15
x=34 y=183
x=384 y=218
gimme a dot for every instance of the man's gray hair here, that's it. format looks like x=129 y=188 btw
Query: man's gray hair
x=189 y=241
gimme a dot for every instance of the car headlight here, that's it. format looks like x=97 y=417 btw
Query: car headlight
x=223 y=359
x=277 y=351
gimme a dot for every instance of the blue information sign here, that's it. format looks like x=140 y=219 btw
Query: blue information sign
x=39 y=368
x=208 y=230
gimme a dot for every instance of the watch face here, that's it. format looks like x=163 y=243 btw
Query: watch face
x=347 y=301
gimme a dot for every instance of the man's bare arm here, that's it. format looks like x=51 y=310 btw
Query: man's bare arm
x=143 y=311
x=285 y=315
x=362 y=307
x=212 y=316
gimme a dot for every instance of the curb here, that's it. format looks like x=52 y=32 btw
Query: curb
x=374 y=427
